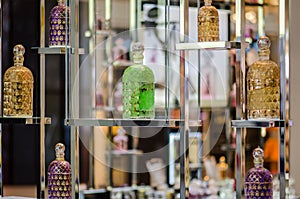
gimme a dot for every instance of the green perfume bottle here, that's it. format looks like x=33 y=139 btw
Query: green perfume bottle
x=138 y=87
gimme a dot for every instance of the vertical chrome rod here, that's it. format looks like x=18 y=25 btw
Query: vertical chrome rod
x=283 y=51
x=184 y=103
x=240 y=97
x=42 y=101
x=74 y=93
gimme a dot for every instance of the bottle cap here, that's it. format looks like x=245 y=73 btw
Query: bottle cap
x=258 y=155
x=264 y=44
x=18 y=51
x=207 y=2
x=137 y=51
x=61 y=2
x=60 y=151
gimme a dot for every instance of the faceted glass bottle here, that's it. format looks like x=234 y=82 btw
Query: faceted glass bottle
x=259 y=181
x=138 y=87
x=263 y=85
x=208 y=23
x=18 y=87
x=59 y=176
x=59 y=25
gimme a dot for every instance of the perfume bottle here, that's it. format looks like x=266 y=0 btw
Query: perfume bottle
x=263 y=85
x=59 y=25
x=18 y=87
x=259 y=180
x=138 y=87
x=208 y=22
x=121 y=140
x=59 y=175
x=223 y=167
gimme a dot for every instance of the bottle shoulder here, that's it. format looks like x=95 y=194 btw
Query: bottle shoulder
x=138 y=72
x=264 y=68
x=259 y=174
x=18 y=74
x=264 y=63
x=59 y=166
x=208 y=11
x=59 y=10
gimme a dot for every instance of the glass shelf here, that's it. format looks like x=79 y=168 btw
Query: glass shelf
x=257 y=123
x=24 y=120
x=55 y=50
x=214 y=45
x=105 y=32
x=128 y=122
x=130 y=152
x=192 y=166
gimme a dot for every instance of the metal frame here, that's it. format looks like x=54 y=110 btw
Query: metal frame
x=241 y=105
x=184 y=95
x=42 y=120
x=240 y=123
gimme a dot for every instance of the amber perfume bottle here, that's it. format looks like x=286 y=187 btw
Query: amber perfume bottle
x=18 y=87
x=208 y=23
x=59 y=25
x=223 y=167
x=138 y=87
x=263 y=85
x=259 y=180
x=59 y=175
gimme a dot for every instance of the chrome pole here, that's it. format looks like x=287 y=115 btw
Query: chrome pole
x=92 y=81
x=167 y=59
x=284 y=63
x=1 y=178
x=74 y=93
x=42 y=101
x=184 y=103
x=241 y=95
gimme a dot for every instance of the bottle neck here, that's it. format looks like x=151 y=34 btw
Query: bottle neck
x=207 y=2
x=258 y=165
x=264 y=55
x=18 y=60
x=60 y=157
x=138 y=59
x=61 y=2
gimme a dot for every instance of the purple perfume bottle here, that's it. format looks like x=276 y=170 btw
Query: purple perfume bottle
x=59 y=25
x=59 y=175
x=258 y=183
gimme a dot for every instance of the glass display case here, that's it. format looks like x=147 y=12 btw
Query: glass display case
x=107 y=65
x=190 y=76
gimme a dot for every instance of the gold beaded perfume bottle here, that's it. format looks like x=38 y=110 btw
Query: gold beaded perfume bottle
x=59 y=175
x=18 y=87
x=59 y=25
x=208 y=23
x=263 y=85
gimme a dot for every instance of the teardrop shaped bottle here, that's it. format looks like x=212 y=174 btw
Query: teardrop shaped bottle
x=208 y=23
x=59 y=175
x=138 y=87
x=59 y=25
x=18 y=87
x=259 y=180
x=263 y=85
